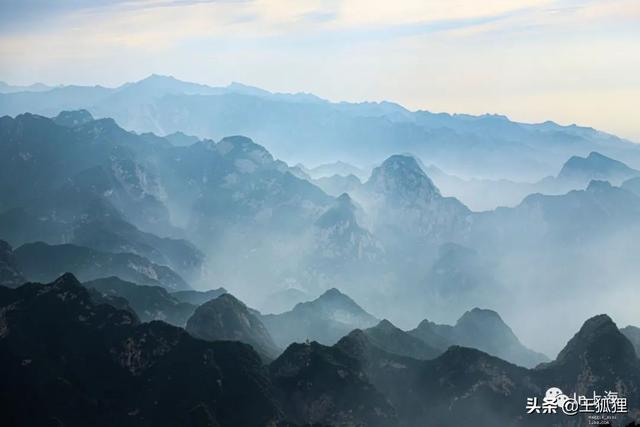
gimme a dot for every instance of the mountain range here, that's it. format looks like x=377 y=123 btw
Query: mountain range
x=79 y=360
x=362 y=133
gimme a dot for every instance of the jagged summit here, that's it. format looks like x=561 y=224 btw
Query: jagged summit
x=402 y=175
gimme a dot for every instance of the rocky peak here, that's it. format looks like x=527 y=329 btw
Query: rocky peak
x=402 y=177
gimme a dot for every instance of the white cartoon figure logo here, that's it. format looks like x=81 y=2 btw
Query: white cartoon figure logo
x=555 y=397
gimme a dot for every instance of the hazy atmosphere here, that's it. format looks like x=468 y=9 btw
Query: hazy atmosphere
x=532 y=60
x=347 y=213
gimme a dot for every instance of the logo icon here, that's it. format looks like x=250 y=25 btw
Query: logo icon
x=555 y=401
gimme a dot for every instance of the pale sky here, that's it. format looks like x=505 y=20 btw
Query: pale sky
x=572 y=61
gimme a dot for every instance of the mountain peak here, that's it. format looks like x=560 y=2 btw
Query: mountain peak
x=596 y=166
x=67 y=280
x=401 y=177
x=343 y=211
x=228 y=318
x=599 y=338
x=332 y=294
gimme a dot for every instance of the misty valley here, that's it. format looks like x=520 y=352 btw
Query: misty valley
x=177 y=254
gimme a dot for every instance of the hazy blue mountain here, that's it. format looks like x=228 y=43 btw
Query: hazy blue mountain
x=180 y=139
x=571 y=217
x=481 y=329
x=198 y=297
x=228 y=319
x=324 y=386
x=633 y=185
x=582 y=170
x=73 y=119
x=148 y=302
x=105 y=230
x=10 y=274
x=84 y=363
x=633 y=334
x=47 y=165
x=325 y=319
x=401 y=198
x=575 y=174
x=394 y=340
x=336 y=168
x=283 y=300
x=459 y=270
x=336 y=185
x=339 y=238
x=42 y=262
x=36 y=87
x=302 y=127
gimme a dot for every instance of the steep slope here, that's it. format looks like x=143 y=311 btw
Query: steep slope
x=633 y=334
x=324 y=385
x=481 y=329
x=406 y=201
x=148 y=302
x=598 y=358
x=42 y=262
x=340 y=239
x=86 y=364
x=325 y=319
x=227 y=318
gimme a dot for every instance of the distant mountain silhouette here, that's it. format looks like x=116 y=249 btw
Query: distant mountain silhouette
x=42 y=262
x=481 y=329
x=325 y=319
x=227 y=318
x=148 y=302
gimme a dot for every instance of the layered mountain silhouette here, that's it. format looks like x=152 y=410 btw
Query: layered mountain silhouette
x=67 y=360
x=581 y=170
x=325 y=320
x=82 y=360
x=148 y=302
x=394 y=340
x=228 y=319
x=364 y=133
x=42 y=262
x=481 y=329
